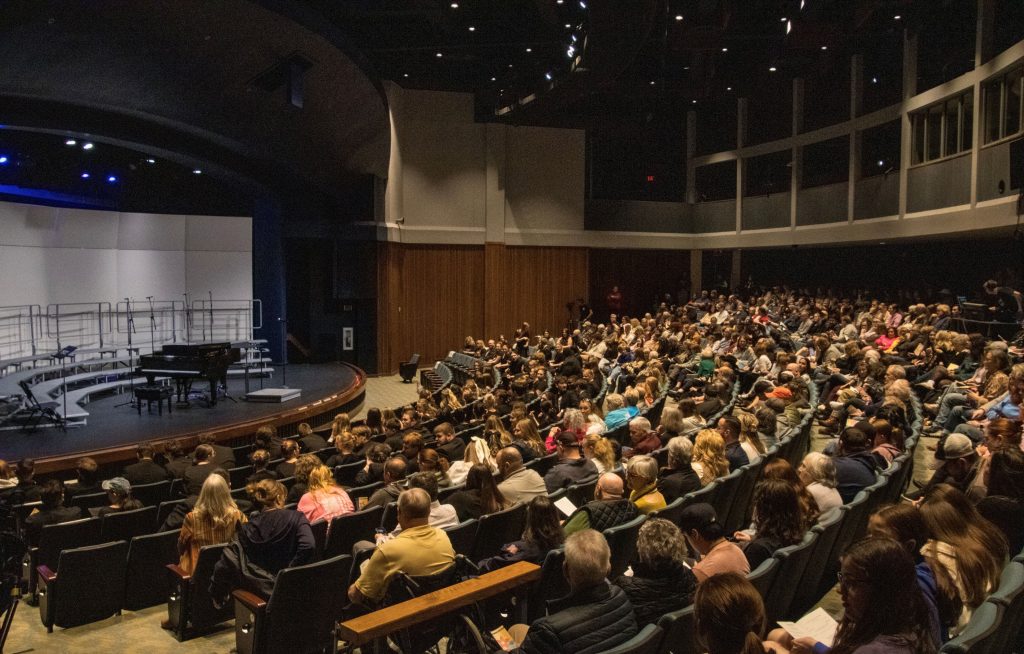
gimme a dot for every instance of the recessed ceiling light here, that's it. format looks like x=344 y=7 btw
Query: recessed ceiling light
x=71 y=142
x=896 y=17
x=85 y=175
x=881 y=163
x=547 y=76
x=583 y=5
x=87 y=146
x=874 y=80
x=725 y=49
x=439 y=55
x=558 y=2
x=652 y=82
x=494 y=79
x=197 y=171
x=693 y=102
x=510 y=65
x=783 y=19
x=405 y=74
x=686 y=68
x=472 y=29
x=529 y=49
x=824 y=47
x=3 y=159
x=455 y=5
x=679 y=16
x=772 y=69
x=151 y=161
x=111 y=178
x=728 y=88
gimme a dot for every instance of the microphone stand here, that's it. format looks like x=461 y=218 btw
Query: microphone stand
x=284 y=360
x=152 y=326
x=188 y=320
x=131 y=354
x=63 y=378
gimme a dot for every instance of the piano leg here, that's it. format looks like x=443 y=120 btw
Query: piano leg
x=213 y=392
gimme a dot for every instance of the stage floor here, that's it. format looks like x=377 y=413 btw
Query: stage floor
x=112 y=426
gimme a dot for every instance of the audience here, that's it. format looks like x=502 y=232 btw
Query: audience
x=260 y=460
x=855 y=465
x=608 y=509
x=429 y=462
x=642 y=477
x=480 y=497
x=212 y=521
x=729 y=428
x=323 y=499
x=661 y=581
x=778 y=521
x=642 y=439
x=51 y=512
x=571 y=468
x=119 y=496
x=599 y=450
x=818 y=473
x=86 y=473
x=290 y=451
x=394 y=477
x=476 y=453
x=450 y=447
x=708 y=456
x=223 y=456
x=542 y=534
x=177 y=460
x=781 y=469
x=309 y=440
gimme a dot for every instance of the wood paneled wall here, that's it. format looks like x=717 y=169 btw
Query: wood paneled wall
x=641 y=275
x=430 y=297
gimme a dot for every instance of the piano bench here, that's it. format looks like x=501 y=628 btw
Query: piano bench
x=153 y=393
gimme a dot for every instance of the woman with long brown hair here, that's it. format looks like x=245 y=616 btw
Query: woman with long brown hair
x=778 y=521
x=481 y=495
x=431 y=462
x=729 y=615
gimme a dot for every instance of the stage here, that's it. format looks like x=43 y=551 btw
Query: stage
x=113 y=431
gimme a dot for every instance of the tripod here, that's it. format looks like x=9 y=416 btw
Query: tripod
x=131 y=354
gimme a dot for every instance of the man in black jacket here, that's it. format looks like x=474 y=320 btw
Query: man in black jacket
x=571 y=468
x=52 y=511
x=223 y=456
x=146 y=471
x=448 y=445
x=595 y=615
x=679 y=477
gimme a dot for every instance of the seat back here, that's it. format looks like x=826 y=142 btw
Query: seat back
x=305 y=606
x=876 y=498
x=496 y=529
x=552 y=584
x=725 y=494
x=152 y=494
x=165 y=510
x=345 y=474
x=363 y=491
x=979 y=636
x=90 y=501
x=543 y=464
x=462 y=536
x=793 y=562
x=146 y=579
x=807 y=594
x=680 y=632
x=201 y=611
x=647 y=640
x=319 y=529
x=65 y=536
x=742 y=499
x=390 y=518
x=672 y=512
x=346 y=529
x=89 y=585
x=1010 y=594
x=622 y=542
x=764 y=575
x=444 y=493
x=581 y=493
x=854 y=514
x=125 y=525
x=239 y=475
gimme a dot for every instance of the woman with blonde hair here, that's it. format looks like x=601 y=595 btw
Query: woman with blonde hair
x=341 y=424
x=477 y=452
x=324 y=499
x=496 y=434
x=749 y=440
x=212 y=521
x=600 y=451
x=527 y=440
x=708 y=458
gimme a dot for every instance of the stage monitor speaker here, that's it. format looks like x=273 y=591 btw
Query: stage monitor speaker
x=1017 y=164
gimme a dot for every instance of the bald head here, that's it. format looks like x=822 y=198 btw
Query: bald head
x=609 y=487
x=413 y=508
x=509 y=460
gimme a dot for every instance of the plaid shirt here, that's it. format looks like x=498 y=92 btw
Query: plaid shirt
x=195 y=534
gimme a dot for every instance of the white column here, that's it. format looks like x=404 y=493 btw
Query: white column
x=906 y=131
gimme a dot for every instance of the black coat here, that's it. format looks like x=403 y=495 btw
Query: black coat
x=313 y=443
x=145 y=472
x=653 y=593
x=676 y=483
x=34 y=523
x=223 y=456
x=587 y=621
x=195 y=475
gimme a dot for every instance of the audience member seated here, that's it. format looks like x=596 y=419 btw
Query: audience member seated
x=309 y=440
x=542 y=533
x=202 y=466
x=617 y=413
x=642 y=439
x=571 y=468
x=442 y=516
x=729 y=428
x=608 y=509
x=526 y=438
x=419 y=550
x=959 y=468
x=661 y=581
x=1003 y=459
x=729 y=616
x=904 y=524
x=145 y=471
x=855 y=466
x=888 y=443
x=642 y=477
x=305 y=464
x=87 y=475
x=176 y=519
x=214 y=520
x=708 y=456
x=678 y=478
x=596 y=615
x=178 y=460
x=600 y=451
x=119 y=494
x=412 y=443
x=781 y=469
x=430 y=462
x=51 y=512
x=394 y=483
x=266 y=439
x=778 y=521
x=750 y=441
x=342 y=423
x=223 y=456
x=272 y=540
x=290 y=451
x=884 y=610
x=706 y=535
x=260 y=460
x=324 y=499
x=480 y=497
x=574 y=423
x=448 y=446
x=969 y=548
x=818 y=473
x=518 y=483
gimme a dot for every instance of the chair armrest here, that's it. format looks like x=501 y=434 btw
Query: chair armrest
x=178 y=571
x=249 y=600
x=45 y=574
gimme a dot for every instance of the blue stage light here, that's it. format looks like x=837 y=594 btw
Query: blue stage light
x=85 y=175
x=3 y=160
x=112 y=178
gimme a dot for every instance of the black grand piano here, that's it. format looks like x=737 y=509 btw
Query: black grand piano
x=186 y=363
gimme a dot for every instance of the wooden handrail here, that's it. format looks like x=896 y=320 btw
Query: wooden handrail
x=424 y=608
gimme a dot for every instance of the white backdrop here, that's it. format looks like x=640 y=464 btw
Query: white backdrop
x=50 y=255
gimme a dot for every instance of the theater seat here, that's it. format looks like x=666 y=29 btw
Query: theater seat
x=647 y=640
x=622 y=542
x=53 y=539
x=978 y=637
x=125 y=525
x=299 y=616
x=346 y=529
x=407 y=369
x=190 y=609
x=146 y=577
x=88 y=585
x=497 y=529
x=1010 y=637
x=793 y=562
x=552 y=585
x=680 y=634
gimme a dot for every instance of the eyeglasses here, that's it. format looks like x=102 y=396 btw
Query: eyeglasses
x=847 y=580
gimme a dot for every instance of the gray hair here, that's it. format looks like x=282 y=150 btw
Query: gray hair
x=643 y=466
x=680 y=450
x=672 y=420
x=821 y=469
x=588 y=560
x=641 y=423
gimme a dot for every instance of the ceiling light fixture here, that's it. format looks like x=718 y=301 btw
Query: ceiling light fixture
x=71 y=142
x=85 y=175
x=693 y=102
x=783 y=19
x=112 y=179
x=547 y=76
x=197 y=171
x=725 y=49
x=896 y=17
x=494 y=79
x=3 y=159
x=679 y=16
x=439 y=55
x=824 y=47
x=405 y=74
x=151 y=161
x=529 y=49
x=772 y=69
x=472 y=29
x=652 y=82
x=728 y=88
x=789 y=26
x=87 y=146
x=455 y=5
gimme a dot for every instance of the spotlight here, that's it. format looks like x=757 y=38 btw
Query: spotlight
x=112 y=178
x=881 y=163
x=151 y=161
x=472 y=29
x=824 y=47
x=87 y=146
x=874 y=80
x=679 y=17
x=783 y=19
x=728 y=88
x=583 y=5
x=197 y=171
x=439 y=55
x=567 y=26
x=693 y=102
x=3 y=160
x=405 y=74
x=772 y=69
x=494 y=79
x=547 y=76
x=71 y=142
x=789 y=26
x=455 y=5
x=529 y=49
x=652 y=82
x=725 y=49
x=896 y=17
x=85 y=175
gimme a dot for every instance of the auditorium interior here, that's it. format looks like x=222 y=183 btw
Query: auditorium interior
x=698 y=326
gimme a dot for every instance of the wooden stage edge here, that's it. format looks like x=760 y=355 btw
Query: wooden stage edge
x=339 y=400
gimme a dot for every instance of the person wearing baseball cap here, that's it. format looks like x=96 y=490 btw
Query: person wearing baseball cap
x=571 y=468
x=119 y=494
x=959 y=468
x=706 y=534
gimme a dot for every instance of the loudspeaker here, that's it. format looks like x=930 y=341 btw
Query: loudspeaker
x=1017 y=164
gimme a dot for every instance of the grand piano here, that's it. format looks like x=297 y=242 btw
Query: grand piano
x=186 y=363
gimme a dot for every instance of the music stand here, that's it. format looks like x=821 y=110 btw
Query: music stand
x=132 y=402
